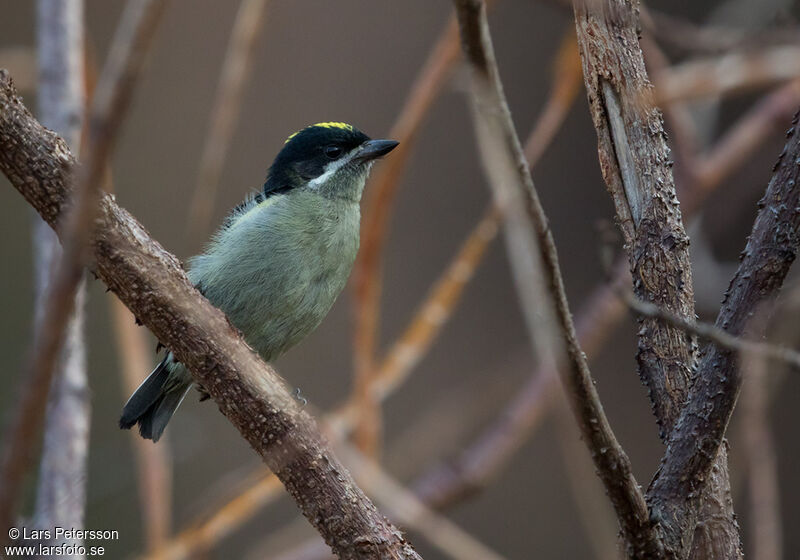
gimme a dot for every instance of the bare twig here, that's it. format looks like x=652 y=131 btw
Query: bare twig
x=153 y=285
x=61 y=492
x=153 y=463
x=537 y=275
x=729 y=73
x=377 y=214
x=698 y=436
x=225 y=113
x=110 y=101
x=718 y=337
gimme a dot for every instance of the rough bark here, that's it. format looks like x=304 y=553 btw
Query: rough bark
x=636 y=165
x=698 y=436
x=152 y=283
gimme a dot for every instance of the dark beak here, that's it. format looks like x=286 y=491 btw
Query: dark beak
x=373 y=149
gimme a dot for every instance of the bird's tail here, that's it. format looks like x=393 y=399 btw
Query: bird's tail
x=156 y=399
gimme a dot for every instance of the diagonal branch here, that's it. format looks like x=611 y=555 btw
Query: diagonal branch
x=538 y=277
x=152 y=284
x=699 y=432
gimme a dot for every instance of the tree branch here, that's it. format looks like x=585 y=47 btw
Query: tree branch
x=636 y=165
x=538 y=277
x=698 y=435
x=151 y=282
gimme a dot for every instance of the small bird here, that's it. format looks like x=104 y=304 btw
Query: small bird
x=280 y=259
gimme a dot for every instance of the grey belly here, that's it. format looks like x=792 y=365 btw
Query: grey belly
x=273 y=305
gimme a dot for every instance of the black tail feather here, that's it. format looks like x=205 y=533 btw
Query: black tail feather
x=154 y=402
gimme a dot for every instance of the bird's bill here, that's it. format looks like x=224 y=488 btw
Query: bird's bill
x=374 y=149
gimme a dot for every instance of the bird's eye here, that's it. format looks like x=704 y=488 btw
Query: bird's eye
x=333 y=152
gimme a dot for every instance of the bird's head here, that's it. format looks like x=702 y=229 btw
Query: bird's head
x=332 y=158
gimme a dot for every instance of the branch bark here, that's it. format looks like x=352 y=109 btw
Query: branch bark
x=151 y=282
x=636 y=165
x=698 y=436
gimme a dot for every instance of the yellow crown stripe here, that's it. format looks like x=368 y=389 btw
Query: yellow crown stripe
x=331 y=124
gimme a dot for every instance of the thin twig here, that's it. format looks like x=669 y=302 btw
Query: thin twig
x=566 y=85
x=378 y=205
x=152 y=283
x=726 y=74
x=225 y=113
x=694 y=444
x=153 y=462
x=125 y=61
x=711 y=333
x=61 y=491
x=535 y=267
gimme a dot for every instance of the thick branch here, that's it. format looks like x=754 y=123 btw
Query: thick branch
x=151 y=282
x=636 y=165
x=699 y=432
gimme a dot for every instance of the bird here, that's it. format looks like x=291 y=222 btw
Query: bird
x=279 y=260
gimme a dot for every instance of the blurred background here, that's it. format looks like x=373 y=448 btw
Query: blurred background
x=356 y=61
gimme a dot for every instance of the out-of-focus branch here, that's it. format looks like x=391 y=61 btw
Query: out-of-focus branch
x=153 y=463
x=225 y=113
x=594 y=513
x=61 y=492
x=153 y=285
x=405 y=508
x=202 y=535
x=762 y=463
x=717 y=336
x=768 y=113
x=537 y=275
x=113 y=92
x=729 y=73
x=383 y=186
x=697 y=438
x=566 y=84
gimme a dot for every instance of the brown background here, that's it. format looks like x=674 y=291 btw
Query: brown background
x=354 y=61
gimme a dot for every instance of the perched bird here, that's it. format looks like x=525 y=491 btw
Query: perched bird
x=280 y=259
